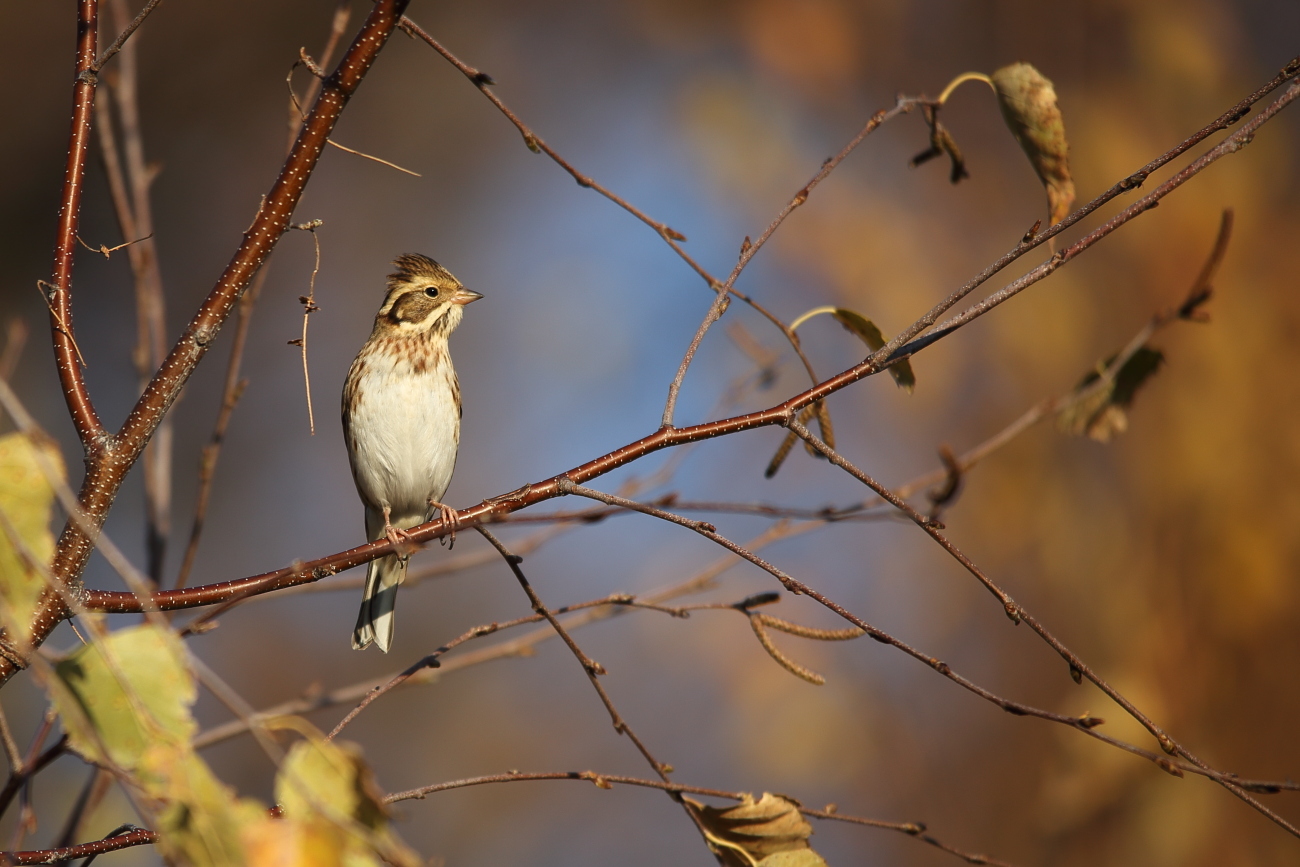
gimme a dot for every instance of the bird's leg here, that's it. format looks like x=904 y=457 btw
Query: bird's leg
x=396 y=535
x=448 y=515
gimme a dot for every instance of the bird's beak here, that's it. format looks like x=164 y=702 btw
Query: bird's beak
x=465 y=296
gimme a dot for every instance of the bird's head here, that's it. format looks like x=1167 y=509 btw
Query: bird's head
x=423 y=297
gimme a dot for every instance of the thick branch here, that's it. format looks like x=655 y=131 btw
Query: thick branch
x=106 y=471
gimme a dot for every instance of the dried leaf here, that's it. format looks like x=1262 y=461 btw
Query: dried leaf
x=1100 y=412
x=867 y=331
x=1028 y=103
x=25 y=505
x=769 y=832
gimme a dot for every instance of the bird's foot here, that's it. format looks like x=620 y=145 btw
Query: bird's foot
x=449 y=519
x=400 y=539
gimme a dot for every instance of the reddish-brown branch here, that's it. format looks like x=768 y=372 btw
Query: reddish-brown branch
x=123 y=838
x=94 y=439
x=106 y=469
x=780 y=414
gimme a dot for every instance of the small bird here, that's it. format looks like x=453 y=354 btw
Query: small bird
x=401 y=421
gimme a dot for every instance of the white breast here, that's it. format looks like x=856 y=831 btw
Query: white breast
x=403 y=432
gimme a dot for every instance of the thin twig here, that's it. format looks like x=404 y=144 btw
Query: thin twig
x=1085 y=723
x=592 y=668
x=1018 y=614
x=671 y=236
x=309 y=307
x=12 y=755
x=234 y=386
x=68 y=359
x=92 y=793
x=524 y=646
x=122 y=38
x=605 y=781
x=749 y=250
x=373 y=158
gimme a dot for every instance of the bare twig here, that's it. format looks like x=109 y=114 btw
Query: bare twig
x=373 y=158
x=1085 y=723
x=1018 y=614
x=749 y=250
x=126 y=33
x=309 y=307
x=605 y=781
x=671 y=236
x=523 y=646
x=234 y=386
x=592 y=668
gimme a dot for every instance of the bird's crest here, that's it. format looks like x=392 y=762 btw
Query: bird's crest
x=413 y=266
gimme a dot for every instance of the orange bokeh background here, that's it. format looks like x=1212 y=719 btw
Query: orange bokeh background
x=1168 y=558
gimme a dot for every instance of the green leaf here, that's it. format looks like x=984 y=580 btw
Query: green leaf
x=126 y=692
x=867 y=331
x=1100 y=410
x=25 y=506
x=1028 y=103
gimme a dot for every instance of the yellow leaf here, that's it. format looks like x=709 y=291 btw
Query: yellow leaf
x=323 y=781
x=769 y=832
x=290 y=843
x=25 y=506
x=202 y=822
x=1028 y=103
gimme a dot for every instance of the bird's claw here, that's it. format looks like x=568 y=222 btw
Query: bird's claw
x=449 y=520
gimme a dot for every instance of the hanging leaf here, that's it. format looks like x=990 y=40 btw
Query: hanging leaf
x=1028 y=103
x=25 y=505
x=769 y=832
x=1100 y=411
x=867 y=331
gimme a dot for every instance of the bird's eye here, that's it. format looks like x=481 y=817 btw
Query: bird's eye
x=432 y=291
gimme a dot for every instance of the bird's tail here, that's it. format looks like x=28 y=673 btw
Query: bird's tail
x=377 y=618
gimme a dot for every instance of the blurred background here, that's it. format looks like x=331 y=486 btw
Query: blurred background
x=1167 y=559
